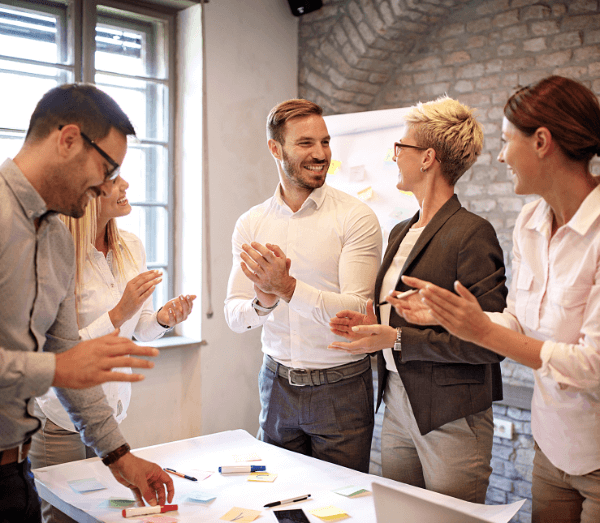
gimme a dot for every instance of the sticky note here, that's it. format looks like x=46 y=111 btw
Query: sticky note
x=334 y=166
x=200 y=474
x=365 y=194
x=330 y=513
x=241 y=515
x=157 y=519
x=201 y=497
x=352 y=491
x=252 y=456
x=85 y=485
x=120 y=502
x=262 y=476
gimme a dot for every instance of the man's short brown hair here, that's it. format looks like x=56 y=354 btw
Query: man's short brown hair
x=281 y=113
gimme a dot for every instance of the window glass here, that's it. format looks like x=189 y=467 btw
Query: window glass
x=31 y=43
x=38 y=43
x=130 y=65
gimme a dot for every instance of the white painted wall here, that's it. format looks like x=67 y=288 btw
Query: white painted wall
x=252 y=49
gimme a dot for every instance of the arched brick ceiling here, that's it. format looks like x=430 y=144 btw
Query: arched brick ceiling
x=349 y=49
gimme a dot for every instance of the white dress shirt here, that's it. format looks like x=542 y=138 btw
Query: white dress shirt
x=101 y=291
x=334 y=242
x=555 y=297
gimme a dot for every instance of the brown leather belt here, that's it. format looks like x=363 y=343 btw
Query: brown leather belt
x=16 y=454
x=301 y=377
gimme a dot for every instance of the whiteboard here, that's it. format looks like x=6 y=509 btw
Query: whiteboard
x=362 y=147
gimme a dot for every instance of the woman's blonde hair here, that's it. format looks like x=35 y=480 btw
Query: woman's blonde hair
x=451 y=130
x=84 y=232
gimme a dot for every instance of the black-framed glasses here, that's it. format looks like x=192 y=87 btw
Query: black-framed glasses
x=112 y=173
x=398 y=147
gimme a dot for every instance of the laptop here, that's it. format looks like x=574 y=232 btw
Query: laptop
x=401 y=506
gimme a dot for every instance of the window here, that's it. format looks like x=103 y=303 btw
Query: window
x=127 y=52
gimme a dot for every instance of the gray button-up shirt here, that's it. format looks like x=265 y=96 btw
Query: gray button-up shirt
x=38 y=318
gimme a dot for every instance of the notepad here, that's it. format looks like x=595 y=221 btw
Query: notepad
x=352 y=491
x=251 y=456
x=201 y=497
x=85 y=485
x=120 y=502
x=241 y=515
x=262 y=476
x=330 y=513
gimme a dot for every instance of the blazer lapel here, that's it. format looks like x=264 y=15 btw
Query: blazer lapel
x=441 y=217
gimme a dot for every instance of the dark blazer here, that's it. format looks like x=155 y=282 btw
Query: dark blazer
x=446 y=378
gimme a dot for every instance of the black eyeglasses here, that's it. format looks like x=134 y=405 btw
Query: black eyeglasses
x=398 y=147
x=110 y=174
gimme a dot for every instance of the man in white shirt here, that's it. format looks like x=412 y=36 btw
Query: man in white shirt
x=299 y=258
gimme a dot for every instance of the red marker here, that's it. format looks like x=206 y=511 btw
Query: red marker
x=145 y=511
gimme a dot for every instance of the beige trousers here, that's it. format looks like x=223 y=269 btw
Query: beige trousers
x=453 y=459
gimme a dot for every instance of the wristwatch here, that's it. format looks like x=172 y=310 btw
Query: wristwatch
x=398 y=342
x=259 y=308
x=116 y=454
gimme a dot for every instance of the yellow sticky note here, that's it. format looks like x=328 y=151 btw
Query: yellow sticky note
x=365 y=194
x=334 y=166
x=240 y=515
x=262 y=476
x=252 y=456
x=330 y=513
x=389 y=155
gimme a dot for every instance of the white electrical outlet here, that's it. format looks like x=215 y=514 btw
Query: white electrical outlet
x=503 y=428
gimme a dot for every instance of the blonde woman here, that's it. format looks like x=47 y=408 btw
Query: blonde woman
x=114 y=291
x=438 y=390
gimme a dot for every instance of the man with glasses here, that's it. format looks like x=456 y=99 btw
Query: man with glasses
x=77 y=139
x=298 y=258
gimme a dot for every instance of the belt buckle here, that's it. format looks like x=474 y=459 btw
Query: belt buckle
x=20 y=454
x=294 y=372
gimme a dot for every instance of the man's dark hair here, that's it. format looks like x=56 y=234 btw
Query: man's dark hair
x=85 y=105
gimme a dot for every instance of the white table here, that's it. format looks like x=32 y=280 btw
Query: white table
x=297 y=475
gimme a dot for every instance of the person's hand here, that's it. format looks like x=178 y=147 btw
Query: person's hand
x=341 y=324
x=176 y=310
x=411 y=308
x=267 y=267
x=136 y=292
x=461 y=315
x=373 y=338
x=145 y=479
x=90 y=362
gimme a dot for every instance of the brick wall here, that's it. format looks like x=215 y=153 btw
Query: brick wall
x=359 y=55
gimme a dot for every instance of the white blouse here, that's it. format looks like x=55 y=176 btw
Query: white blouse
x=555 y=298
x=102 y=290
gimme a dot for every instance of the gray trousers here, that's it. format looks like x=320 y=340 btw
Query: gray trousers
x=453 y=459
x=332 y=422
x=559 y=497
x=53 y=445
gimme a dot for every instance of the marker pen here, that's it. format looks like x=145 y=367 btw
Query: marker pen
x=145 y=511
x=240 y=469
